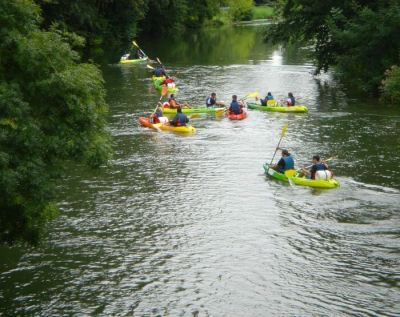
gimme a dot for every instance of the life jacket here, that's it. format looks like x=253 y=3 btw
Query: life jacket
x=158 y=72
x=291 y=101
x=235 y=107
x=210 y=101
x=180 y=120
x=317 y=167
x=289 y=162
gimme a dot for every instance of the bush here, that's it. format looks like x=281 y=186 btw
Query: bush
x=241 y=10
x=391 y=85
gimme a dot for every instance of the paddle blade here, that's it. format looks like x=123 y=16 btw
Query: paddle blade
x=149 y=67
x=290 y=173
x=271 y=103
x=164 y=90
x=284 y=128
x=253 y=94
x=134 y=43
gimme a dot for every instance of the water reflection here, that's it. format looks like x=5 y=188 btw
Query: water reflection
x=191 y=226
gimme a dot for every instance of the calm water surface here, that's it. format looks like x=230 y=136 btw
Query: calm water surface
x=190 y=226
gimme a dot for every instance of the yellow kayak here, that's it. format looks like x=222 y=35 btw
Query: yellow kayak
x=145 y=122
x=302 y=181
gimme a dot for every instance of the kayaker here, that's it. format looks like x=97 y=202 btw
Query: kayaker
x=319 y=169
x=236 y=106
x=173 y=103
x=159 y=71
x=285 y=163
x=264 y=102
x=211 y=101
x=291 y=101
x=125 y=57
x=180 y=119
x=154 y=118
x=169 y=82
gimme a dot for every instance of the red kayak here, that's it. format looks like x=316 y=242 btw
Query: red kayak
x=240 y=116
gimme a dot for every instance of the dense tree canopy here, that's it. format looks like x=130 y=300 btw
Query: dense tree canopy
x=360 y=38
x=51 y=110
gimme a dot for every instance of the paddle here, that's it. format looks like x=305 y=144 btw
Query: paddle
x=150 y=67
x=155 y=109
x=283 y=132
x=140 y=50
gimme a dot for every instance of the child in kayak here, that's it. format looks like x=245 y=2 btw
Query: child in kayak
x=291 y=101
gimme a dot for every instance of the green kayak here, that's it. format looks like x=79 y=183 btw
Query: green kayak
x=134 y=61
x=302 y=181
x=291 y=109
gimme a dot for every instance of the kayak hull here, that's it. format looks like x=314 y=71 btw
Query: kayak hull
x=134 y=61
x=240 y=116
x=145 y=122
x=302 y=181
x=195 y=110
x=298 y=109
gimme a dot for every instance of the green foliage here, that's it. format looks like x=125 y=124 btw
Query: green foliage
x=241 y=10
x=391 y=86
x=360 y=38
x=101 y=23
x=262 y=12
x=51 y=110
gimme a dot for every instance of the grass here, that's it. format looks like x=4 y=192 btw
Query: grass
x=263 y=12
x=259 y=12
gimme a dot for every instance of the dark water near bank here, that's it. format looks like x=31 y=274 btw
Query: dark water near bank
x=190 y=226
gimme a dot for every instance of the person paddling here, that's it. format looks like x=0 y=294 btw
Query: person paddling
x=285 y=163
x=319 y=169
x=291 y=101
x=155 y=117
x=264 y=102
x=211 y=101
x=236 y=106
x=180 y=119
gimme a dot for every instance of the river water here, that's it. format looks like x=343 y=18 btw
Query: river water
x=190 y=226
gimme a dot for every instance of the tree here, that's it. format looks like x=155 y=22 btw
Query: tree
x=348 y=35
x=241 y=10
x=52 y=109
x=109 y=24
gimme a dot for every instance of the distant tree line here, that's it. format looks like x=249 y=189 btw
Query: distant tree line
x=359 y=38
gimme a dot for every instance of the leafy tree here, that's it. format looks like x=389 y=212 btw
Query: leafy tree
x=241 y=10
x=102 y=23
x=51 y=110
x=349 y=35
x=391 y=86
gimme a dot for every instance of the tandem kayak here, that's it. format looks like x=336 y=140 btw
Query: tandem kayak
x=240 y=116
x=157 y=84
x=195 y=110
x=298 y=108
x=134 y=61
x=302 y=181
x=145 y=122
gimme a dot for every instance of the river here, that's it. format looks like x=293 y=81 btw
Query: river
x=190 y=226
